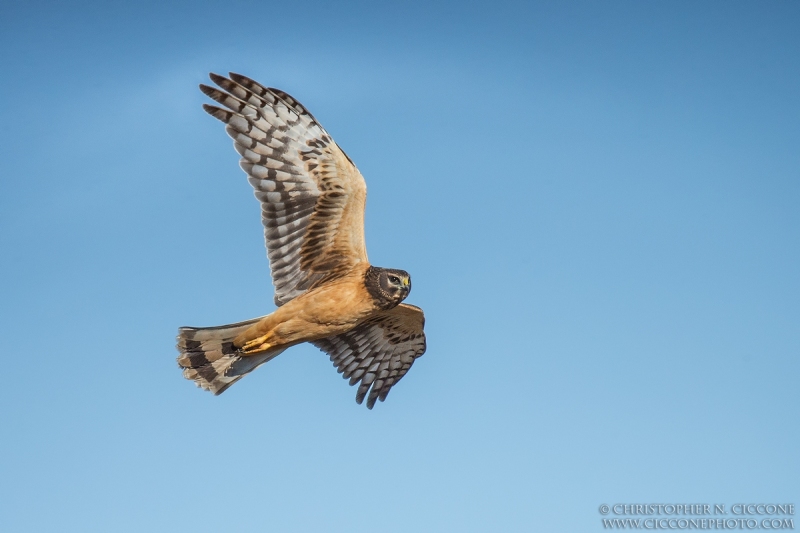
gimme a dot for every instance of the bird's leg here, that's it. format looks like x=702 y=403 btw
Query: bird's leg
x=274 y=330
x=256 y=345
x=256 y=339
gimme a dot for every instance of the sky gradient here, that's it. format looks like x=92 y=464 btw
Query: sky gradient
x=597 y=203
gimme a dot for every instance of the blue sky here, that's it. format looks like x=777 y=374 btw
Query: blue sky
x=597 y=202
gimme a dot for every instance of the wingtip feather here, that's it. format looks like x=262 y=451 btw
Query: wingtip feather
x=216 y=78
x=217 y=112
x=207 y=89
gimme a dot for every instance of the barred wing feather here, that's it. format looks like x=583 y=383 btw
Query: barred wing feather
x=379 y=351
x=312 y=196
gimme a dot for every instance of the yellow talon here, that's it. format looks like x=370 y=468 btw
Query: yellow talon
x=256 y=345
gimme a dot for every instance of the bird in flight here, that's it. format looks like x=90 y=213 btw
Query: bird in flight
x=312 y=208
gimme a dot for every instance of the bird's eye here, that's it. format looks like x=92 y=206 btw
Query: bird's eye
x=394 y=279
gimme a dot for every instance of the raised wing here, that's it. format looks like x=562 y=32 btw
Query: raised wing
x=312 y=196
x=379 y=351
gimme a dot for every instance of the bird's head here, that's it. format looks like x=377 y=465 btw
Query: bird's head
x=388 y=286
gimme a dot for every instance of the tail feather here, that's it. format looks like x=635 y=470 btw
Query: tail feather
x=209 y=358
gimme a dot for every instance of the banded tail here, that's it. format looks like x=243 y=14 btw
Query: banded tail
x=209 y=357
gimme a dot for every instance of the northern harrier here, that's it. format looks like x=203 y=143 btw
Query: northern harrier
x=312 y=207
